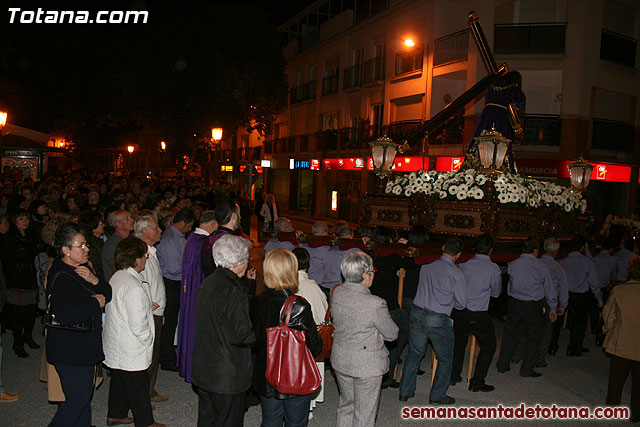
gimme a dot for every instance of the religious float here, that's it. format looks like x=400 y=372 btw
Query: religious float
x=486 y=195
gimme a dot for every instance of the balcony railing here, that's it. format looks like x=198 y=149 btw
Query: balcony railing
x=295 y=94
x=612 y=135
x=330 y=83
x=309 y=40
x=352 y=77
x=617 y=48
x=374 y=70
x=399 y=131
x=540 y=129
x=451 y=48
x=309 y=90
x=338 y=140
x=409 y=61
x=530 y=38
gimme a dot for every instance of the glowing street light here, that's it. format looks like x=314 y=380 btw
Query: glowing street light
x=3 y=119
x=130 y=149
x=163 y=145
x=409 y=43
x=216 y=134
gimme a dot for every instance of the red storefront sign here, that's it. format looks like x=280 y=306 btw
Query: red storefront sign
x=448 y=164
x=552 y=168
x=400 y=164
x=545 y=168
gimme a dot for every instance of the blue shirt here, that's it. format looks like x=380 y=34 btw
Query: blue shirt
x=530 y=280
x=332 y=270
x=441 y=287
x=581 y=274
x=277 y=244
x=169 y=253
x=622 y=258
x=559 y=279
x=606 y=268
x=316 y=263
x=483 y=280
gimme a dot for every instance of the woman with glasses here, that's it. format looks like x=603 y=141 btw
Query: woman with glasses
x=358 y=355
x=75 y=295
x=129 y=331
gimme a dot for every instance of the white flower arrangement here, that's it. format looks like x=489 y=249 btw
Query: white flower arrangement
x=469 y=185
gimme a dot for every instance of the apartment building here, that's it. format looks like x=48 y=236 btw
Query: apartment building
x=358 y=69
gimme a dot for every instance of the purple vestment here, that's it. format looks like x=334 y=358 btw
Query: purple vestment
x=192 y=277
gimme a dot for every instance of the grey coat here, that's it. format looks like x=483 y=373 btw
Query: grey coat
x=362 y=324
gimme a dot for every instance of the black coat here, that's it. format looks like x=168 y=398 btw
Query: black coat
x=223 y=335
x=18 y=255
x=72 y=304
x=265 y=313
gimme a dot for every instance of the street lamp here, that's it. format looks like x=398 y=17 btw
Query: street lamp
x=492 y=147
x=409 y=43
x=130 y=149
x=163 y=146
x=383 y=151
x=3 y=119
x=580 y=174
x=216 y=134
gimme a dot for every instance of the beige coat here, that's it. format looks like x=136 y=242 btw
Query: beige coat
x=621 y=317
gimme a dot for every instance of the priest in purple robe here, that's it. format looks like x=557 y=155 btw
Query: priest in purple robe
x=192 y=277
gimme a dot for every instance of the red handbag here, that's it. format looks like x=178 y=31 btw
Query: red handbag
x=291 y=368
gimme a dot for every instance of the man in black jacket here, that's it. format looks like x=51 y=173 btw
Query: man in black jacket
x=222 y=370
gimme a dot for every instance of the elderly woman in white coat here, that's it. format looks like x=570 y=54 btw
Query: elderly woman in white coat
x=128 y=337
x=358 y=356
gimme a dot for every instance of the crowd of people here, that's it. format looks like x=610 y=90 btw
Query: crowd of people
x=145 y=276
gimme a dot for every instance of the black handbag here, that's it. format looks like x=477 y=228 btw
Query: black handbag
x=49 y=318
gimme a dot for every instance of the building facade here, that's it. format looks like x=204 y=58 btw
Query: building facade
x=353 y=76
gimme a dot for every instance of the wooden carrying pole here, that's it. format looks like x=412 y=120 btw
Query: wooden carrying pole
x=401 y=274
x=472 y=355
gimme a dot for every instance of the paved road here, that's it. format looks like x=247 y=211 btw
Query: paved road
x=567 y=382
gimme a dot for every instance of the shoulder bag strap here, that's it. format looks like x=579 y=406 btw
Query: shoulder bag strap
x=288 y=306
x=55 y=276
x=327 y=316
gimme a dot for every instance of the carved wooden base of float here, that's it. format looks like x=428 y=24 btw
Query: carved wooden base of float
x=469 y=218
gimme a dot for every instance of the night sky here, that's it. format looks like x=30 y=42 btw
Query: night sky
x=70 y=76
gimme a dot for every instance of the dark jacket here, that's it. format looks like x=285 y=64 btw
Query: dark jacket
x=95 y=253
x=265 y=313
x=72 y=303
x=223 y=335
x=18 y=254
x=385 y=281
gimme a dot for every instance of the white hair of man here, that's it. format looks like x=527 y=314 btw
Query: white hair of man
x=230 y=250
x=551 y=245
x=354 y=265
x=283 y=225
x=320 y=229
x=118 y=216
x=141 y=223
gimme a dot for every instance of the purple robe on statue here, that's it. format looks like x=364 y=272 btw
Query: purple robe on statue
x=192 y=277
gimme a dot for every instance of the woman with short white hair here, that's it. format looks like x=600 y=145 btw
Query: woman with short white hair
x=358 y=356
x=222 y=369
